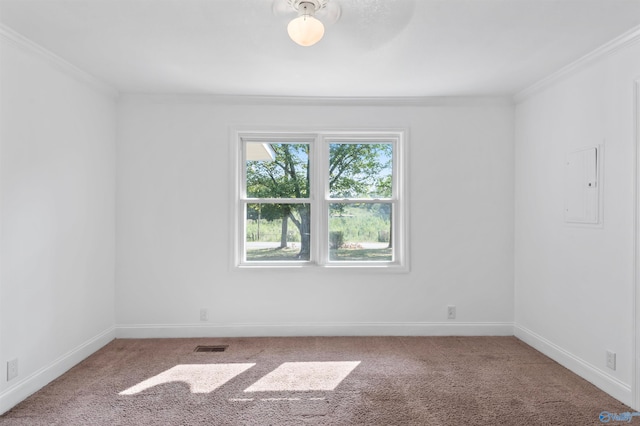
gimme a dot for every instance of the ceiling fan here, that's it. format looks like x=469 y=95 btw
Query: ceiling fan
x=307 y=28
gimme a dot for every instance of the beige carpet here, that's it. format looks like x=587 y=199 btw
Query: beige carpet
x=317 y=380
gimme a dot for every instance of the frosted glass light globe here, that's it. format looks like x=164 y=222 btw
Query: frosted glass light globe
x=305 y=30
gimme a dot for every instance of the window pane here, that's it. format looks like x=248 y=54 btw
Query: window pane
x=277 y=170
x=277 y=232
x=360 y=170
x=360 y=231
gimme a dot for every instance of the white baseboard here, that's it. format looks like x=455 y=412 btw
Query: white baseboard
x=587 y=371
x=141 y=331
x=36 y=381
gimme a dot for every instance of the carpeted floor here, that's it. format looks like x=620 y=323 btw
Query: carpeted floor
x=317 y=380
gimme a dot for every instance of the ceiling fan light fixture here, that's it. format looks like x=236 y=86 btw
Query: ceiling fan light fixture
x=306 y=30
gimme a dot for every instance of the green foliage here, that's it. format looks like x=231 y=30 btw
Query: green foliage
x=360 y=170
x=270 y=231
x=357 y=223
x=336 y=239
x=284 y=177
x=384 y=236
x=361 y=222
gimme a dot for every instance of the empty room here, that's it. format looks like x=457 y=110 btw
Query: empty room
x=272 y=212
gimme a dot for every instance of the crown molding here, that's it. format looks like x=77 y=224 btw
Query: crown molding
x=27 y=45
x=408 y=101
x=627 y=38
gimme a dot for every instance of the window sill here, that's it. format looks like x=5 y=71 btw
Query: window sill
x=334 y=268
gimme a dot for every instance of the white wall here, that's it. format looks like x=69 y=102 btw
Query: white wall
x=574 y=285
x=173 y=218
x=58 y=219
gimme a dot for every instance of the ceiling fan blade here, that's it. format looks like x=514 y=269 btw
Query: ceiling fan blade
x=330 y=13
x=282 y=8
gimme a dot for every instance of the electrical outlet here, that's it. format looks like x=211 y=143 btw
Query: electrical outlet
x=12 y=369
x=204 y=315
x=451 y=312
x=611 y=360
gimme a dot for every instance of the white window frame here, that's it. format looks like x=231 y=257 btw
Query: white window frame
x=319 y=199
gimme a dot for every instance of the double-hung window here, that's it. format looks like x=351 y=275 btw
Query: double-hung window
x=320 y=199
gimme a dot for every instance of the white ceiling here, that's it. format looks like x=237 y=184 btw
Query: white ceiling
x=376 y=47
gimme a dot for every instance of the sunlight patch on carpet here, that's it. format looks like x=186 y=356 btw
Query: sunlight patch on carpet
x=201 y=378
x=304 y=376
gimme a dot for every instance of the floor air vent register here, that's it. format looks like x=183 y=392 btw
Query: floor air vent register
x=215 y=348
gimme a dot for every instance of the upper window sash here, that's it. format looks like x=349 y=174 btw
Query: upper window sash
x=388 y=149
x=260 y=152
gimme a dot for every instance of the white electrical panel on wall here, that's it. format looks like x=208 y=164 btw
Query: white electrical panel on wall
x=582 y=186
